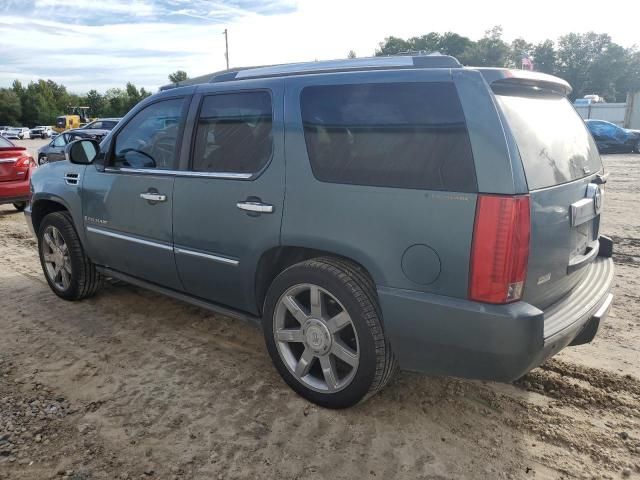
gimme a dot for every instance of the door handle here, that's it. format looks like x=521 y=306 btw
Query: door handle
x=153 y=197
x=256 y=207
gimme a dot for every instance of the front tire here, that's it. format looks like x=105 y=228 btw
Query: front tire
x=43 y=160
x=20 y=206
x=67 y=269
x=323 y=330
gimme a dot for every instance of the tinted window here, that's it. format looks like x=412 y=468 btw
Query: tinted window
x=552 y=139
x=108 y=125
x=149 y=140
x=4 y=143
x=410 y=135
x=233 y=133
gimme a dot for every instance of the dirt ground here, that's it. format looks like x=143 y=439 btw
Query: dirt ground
x=130 y=384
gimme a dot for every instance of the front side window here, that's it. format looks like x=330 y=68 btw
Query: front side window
x=406 y=135
x=233 y=133
x=59 y=141
x=150 y=139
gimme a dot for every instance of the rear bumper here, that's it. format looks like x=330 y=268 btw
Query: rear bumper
x=447 y=336
x=14 y=191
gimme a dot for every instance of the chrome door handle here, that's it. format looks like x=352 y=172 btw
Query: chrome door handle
x=154 y=197
x=257 y=207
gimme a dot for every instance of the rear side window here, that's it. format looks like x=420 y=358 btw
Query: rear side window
x=4 y=143
x=234 y=133
x=554 y=143
x=407 y=135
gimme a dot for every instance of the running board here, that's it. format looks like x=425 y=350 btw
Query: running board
x=198 y=302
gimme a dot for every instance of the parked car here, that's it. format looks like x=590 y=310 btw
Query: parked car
x=102 y=124
x=3 y=130
x=16 y=168
x=440 y=218
x=41 y=132
x=19 y=133
x=610 y=138
x=54 y=150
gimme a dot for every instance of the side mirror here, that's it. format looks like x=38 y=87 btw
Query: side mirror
x=82 y=152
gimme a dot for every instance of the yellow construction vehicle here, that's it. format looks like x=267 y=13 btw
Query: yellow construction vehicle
x=77 y=117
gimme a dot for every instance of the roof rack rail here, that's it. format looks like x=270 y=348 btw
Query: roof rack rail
x=330 y=66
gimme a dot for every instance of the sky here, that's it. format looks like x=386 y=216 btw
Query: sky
x=100 y=44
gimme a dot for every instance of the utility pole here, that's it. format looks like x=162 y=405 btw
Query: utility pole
x=226 y=46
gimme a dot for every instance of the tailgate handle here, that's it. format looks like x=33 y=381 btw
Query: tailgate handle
x=578 y=262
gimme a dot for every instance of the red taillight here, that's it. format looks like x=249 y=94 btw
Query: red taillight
x=25 y=162
x=500 y=249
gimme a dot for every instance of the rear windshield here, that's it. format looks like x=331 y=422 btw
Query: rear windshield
x=553 y=141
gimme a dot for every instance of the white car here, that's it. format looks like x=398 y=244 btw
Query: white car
x=18 y=132
x=3 y=129
x=42 y=131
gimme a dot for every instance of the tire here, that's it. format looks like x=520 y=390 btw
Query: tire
x=331 y=375
x=82 y=280
x=20 y=206
x=43 y=160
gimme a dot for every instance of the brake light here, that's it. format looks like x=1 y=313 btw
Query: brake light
x=500 y=248
x=25 y=162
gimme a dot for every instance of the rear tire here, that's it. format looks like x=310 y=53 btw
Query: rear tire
x=20 y=206
x=331 y=351
x=67 y=269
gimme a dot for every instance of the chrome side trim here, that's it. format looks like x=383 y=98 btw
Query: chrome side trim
x=215 y=258
x=9 y=160
x=120 y=236
x=181 y=173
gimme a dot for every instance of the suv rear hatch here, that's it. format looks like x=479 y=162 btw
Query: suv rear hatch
x=564 y=175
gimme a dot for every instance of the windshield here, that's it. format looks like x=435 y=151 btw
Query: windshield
x=553 y=141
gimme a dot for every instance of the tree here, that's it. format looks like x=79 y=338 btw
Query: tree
x=544 y=57
x=95 y=102
x=392 y=46
x=10 y=107
x=519 y=48
x=490 y=50
x=351 y=54
x=178 y=76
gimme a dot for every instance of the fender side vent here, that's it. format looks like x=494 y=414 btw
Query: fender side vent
x=71 y=178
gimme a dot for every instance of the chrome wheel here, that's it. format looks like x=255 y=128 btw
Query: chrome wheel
x=56 y=258
x=316 y=338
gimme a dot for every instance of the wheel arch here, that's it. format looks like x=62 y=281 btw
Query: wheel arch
x=41 y=207
x=277 y=259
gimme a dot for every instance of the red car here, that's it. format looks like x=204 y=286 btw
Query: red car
x=16 y=166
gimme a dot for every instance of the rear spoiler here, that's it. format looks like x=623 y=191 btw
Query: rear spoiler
x=505 y=77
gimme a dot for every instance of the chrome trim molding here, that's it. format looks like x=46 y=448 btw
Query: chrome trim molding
x=181 y=173
x=215 y=258
x=257 y=207
x=120 y=236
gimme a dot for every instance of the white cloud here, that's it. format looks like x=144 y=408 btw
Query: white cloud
x=150 y=39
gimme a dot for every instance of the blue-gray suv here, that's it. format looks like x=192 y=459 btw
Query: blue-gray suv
x=369 y=214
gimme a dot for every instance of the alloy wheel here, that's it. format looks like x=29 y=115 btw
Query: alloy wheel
x=56 y=258
x=316 y=338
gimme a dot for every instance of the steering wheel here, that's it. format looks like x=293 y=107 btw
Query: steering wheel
x=135 y=150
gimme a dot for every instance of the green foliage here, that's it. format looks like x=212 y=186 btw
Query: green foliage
x=590 y=62
x=351 y=54
x=10 y=107
x=39 y=103
x=178 y=76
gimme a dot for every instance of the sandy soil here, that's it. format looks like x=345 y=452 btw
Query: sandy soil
x=130 y=384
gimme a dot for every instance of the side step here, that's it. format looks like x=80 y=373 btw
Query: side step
x=198 y=302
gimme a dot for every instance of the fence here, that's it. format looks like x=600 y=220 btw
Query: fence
x=624 y=114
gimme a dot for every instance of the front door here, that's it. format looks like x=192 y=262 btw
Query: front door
x=228 y=206
x=128 y=202
x=55 y=151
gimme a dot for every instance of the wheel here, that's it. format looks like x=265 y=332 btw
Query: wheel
x=69 y=272
x=20 y=206
x=43 y=159
x=323 y=330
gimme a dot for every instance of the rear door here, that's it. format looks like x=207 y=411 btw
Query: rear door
x=228 y=206
x=561 y=164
